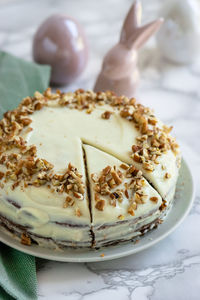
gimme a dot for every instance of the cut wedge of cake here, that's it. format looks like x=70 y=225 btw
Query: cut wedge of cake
x=123 y=203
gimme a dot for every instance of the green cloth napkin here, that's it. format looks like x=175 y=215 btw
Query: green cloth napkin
x=18 y=79
x=17 y=275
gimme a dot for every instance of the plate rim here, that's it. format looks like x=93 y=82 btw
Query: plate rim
x=6 y=239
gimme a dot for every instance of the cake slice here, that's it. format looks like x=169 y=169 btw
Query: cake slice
x=123 y=204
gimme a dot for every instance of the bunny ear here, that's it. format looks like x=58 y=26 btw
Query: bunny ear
x=132 y=21
x=142 y=34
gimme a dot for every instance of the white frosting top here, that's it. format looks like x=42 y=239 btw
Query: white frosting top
x=59 y=132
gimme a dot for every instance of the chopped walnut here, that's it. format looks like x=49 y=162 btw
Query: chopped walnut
x=25 y=239
x=126 y=194
x=69 y=201
x=113 y=202
x=125 y=113
x=163 y=205
x=136 y=148
x=100 y=205
x=137 y=158
x=148 y=166
x=116 y=177
x=124 y=167
x=106 y=115
x=94 y=177
x=78 y=212
x=25 y=121
x=154 y=199
x=107 y=170
x=111 y=183
x=89 y=110
x=96 y=197
x=134 y=205
x=167 y=175
x=167 y=129
x=131 y=210
x=152 y=121
x=78 y=195
x=139 y=199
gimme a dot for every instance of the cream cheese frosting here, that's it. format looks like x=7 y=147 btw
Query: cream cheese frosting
x=53 y=144
x=63 y=128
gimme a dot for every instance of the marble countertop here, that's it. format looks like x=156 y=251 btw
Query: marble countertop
x=170 y=269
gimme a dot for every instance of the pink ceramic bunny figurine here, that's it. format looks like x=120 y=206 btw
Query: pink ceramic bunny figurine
x=119 y=71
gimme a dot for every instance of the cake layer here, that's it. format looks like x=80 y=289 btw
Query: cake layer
x=46 y=222
x=26 y=236
x=45 y=214
x=122 y=231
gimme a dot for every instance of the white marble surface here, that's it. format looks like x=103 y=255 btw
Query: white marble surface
x=171 y=269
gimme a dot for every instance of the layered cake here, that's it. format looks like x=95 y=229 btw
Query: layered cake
x=84 y=169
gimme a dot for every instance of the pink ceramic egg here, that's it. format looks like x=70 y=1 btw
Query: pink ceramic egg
x=61 y=43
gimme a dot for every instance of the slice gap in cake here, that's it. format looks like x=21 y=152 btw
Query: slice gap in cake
x=88 y=194
x=123 y=204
